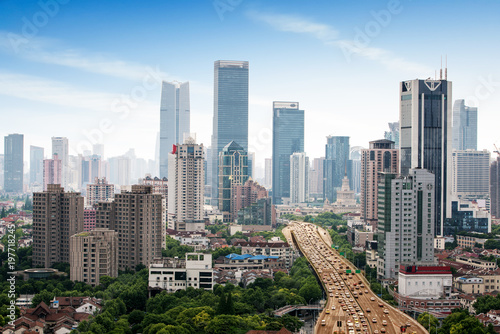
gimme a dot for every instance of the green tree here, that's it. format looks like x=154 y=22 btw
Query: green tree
x=222 y=307
x=44 y=296
x=229 y=304
x=429 y=321
x=310 y=291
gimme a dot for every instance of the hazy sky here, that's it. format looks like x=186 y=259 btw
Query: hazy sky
x=91 y=68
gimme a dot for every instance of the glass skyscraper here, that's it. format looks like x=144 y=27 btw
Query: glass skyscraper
x=13 y=163
x=335 y=165
x=464 y=126
x=288 y=138
x=36 y=164
x=425 y=136
x=230 y=121
x=174 y=119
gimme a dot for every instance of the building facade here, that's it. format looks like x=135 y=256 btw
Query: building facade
x=57 y=215
x=36 y=164
x=60 y=147
x=425 y=137
x=186 y=188
x=136 y=216
x=52 y=171
x=13 y=163
x=405 y=221
x=174 y=119
x=299 y=178
x=464 y=126
x=467 y=216
x=393 y=134
x=336 y=165
x=495 y=188
x=93 y=255
x=99 y=191
x=471 y=174
x=230 y=121
x=288 y=138
x=382 y=156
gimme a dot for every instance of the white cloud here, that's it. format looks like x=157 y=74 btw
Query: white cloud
x=43 y=50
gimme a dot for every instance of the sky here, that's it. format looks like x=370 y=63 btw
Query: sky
x=92 y=70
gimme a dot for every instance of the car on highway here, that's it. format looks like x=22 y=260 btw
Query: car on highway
x=374 y=320
x=368 y=310
x=380 y=304
x=333 y=307
x=327 y=311
x=386 y=311
x=372 y=299
x=382 y=330
x=323 y=322
x=384 y=322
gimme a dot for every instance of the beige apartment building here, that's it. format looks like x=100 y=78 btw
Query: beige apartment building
x=57 y=215
x=137 y=217
x=99 y=191
x=93 y=255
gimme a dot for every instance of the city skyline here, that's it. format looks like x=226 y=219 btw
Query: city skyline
x=87 y=81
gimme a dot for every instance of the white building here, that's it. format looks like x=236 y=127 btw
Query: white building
x=178 y=274
x=406 y=221
x=425 y=282
x=299 y=178
x=471 y=174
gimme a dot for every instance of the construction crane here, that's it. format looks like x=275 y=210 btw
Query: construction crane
x=496 y=150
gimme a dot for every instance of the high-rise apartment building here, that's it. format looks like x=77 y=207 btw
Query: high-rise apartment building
x=355 y=166
x=471 y=174
x=120 y=169
x=393 y=133
x=425 y=122
x=268 y=172
x=52 y=171
x=299 y=178
x=98 y=149
x=174 y=119
x=57 y=215
x=405 y=223
x=137 y=217
x=186 y=188
x=36 y=164
x=233 y=170
x=60 y=147
x=495 y=188
x=246 y=194
x=230 y=121
x=13 y=163
x=316 y=184
x=464 y=126
x=336 y=164
x=288 y=138
x=99 y=191
x=93 y=255
x=380 y=157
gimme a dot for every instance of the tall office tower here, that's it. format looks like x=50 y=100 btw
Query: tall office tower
x=99 y=191
x=90 y=169
x=405 y=221
x=1 y=169
x=268 y=172
x=93 y=254
x=57 y=215
x=495 y=188
x=355 y=160
x=174 y=119
x=230 y=121
x=299 y=178
x=13 y=163
x=425 y=121
x=318 y=164
x=335 y=165
x=393 y=133
x=464 y=126
x=52 y=171
x=313 y=183
x=380 y=157
x=471 y=174
x=36 y=164
x=288 y=138
x=186 y=187
x=137 y=217
x=61 y=148
x=208 y=172
x=233 y=170
x=120 y=170
x=98 y=149
x=251 y=165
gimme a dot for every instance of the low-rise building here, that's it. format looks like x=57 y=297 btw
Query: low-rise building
x=173 y=274
x=469 y=240
x=476 y=263
x=249 y=262
x=280 y=249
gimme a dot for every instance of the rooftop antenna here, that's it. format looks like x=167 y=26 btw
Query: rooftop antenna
x=446 y=68
x=441 y=70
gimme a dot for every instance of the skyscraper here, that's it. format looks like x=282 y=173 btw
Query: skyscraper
x=61 y=148
x=464 y=126
x=36 y=164
x=393 y=133
x=405 y=221
x=425 y=136
x=51 y=171
x=495 y=188
x=336 y=164
x=137 y=217
x=230 y=121
x=288 y=138
x=186 y=187
x=233 y=170
x=299 y=178
x=13 y=163
x=471 y=174
x=380 y=157
x=174 y=119
x=57 y=215
x=268 y=172
x=99 y=191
